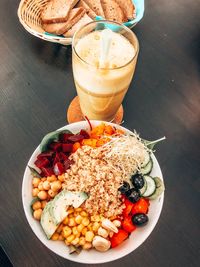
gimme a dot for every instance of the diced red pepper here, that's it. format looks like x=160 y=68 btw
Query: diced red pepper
x=47 y=154
x=118 y=238
x=129 y=206
x=76 y=138
x=67 y=147
x=58 y=168
x=56 y=146
x=47 y=171
x=84 y=134
x=127 y=224
x=64 y=137
x=141 y=206
x=42 y=162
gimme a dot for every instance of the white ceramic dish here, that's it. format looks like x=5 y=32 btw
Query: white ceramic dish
x=92 y=256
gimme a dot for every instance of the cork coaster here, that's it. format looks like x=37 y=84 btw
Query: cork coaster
x=74 y=113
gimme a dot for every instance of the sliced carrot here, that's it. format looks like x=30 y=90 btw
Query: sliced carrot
x=119 y=132
x=102 y=141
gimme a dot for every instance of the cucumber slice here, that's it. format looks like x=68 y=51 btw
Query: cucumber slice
x=147 y=158
x=151 y=186
x=144 y=188
x=147 y=169
x=160 y=188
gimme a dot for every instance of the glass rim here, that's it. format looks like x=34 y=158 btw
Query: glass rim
x=110 y=22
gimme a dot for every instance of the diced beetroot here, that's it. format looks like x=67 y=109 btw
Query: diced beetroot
x=67 y=164
x=67 y=147
x=56 y=159
x=85 y=134
x=76 y=138
x=47 y=154
x=42 y=162
x=56 y=146
x=58 y=168
x=63 y=156
x=47 y=171
x=64 y=137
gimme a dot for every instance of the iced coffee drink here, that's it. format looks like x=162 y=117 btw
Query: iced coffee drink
x=103 y=80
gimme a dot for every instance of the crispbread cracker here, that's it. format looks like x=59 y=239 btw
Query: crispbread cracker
x=96 y=6
x=57 y=10
x=61 y=27
x=83 y=21
x=89 y=11
x=128 y=8
x=113 y=11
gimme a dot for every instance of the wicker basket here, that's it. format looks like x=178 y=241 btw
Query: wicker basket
x=29 y=16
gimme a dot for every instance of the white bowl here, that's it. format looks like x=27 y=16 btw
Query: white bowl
x=92 y=256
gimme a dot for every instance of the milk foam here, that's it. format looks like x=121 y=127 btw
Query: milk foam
x=121 y=50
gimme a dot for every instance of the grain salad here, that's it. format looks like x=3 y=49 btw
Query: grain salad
x=92 y=189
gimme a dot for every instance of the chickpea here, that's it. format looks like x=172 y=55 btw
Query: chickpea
x=75 y=230
x=35 y=192
x=80 y=228
x=90 y=226
x=85 y=221
x=55 y=236
x=42 y=195
x=43 y=202
x=70 y=238
x=61 y=238
x=83 y=213
x=46 y=185
x=37 y=205
x=95 y=226
x=84 y=231
x=78 y=219
x=40 y=186
x=37 y=214
x=89 y=235
x=87 y=245
x=71 y=222
x=82 y=241
x=61 y=178
x=51 y=178
x=59 y=229
x=52 y=193
x=78 y=209
x=71 y=210
x=43 y=179
x=35 y=182
x=66 y=231
x=56 y=185
x=75 y=241
x=65 y=221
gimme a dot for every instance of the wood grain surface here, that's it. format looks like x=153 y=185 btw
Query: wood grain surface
x=36 y=87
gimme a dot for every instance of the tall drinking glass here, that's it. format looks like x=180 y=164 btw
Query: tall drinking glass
x=104 y=59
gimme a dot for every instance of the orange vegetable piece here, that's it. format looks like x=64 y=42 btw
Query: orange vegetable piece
x=102 y=141
x=119 y=132
x=89 y=142
x=98 y=130
x=109 y=130
x=76 y=146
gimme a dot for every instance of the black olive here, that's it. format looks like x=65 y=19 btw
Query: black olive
x=140 y=219
x=133 y=195
x=125 y=187
x=137 y=181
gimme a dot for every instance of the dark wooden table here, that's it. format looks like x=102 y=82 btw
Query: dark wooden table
x=36 y=87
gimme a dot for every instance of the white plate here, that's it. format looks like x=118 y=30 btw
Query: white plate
x=92 y=256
